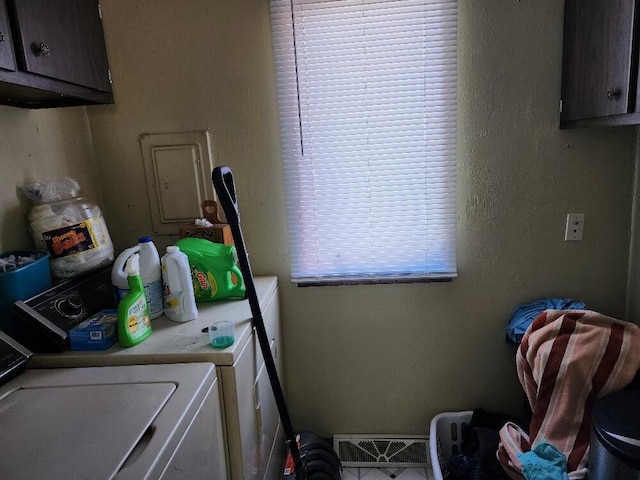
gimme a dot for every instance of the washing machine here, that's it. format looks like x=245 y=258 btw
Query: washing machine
x=255 y=447
x=139 y=422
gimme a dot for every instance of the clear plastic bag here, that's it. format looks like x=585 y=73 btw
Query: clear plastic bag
x=39 y=193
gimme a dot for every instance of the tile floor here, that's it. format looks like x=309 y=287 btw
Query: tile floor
x=352 y=473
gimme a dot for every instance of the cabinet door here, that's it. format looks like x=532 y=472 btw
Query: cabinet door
x=63 y=39
x=7 y=59
x=597 y=53
x=267 y=418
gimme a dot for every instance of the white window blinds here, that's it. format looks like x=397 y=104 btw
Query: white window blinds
x=367 y=100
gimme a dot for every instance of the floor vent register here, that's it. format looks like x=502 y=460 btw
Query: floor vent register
x=382 y=450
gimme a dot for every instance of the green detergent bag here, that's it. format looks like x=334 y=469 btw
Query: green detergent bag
x=214 y=269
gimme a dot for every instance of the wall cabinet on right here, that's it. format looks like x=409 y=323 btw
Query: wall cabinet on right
x=600 y=63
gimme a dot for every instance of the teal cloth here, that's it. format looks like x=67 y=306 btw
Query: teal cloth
x=544 y=462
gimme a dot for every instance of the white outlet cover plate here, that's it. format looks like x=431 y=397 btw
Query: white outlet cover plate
x=574 y=229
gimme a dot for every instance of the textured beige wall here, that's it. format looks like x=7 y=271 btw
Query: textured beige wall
x=385 y=358
x=40 y=146
x=180 y=67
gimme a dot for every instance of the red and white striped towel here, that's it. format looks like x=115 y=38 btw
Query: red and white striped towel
x=567 y=359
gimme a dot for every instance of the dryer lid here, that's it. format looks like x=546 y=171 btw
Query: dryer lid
x=85 y=431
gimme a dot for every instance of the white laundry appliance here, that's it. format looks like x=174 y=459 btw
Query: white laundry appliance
x=145 y=422
x=254 y=442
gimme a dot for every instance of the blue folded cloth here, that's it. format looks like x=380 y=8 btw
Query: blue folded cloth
x=525 y=314
x=544 y=462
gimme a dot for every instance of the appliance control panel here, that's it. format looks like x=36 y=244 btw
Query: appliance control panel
x=56 y=311
x=13 y=358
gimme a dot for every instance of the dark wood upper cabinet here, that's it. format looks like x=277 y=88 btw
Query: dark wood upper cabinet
x=7 y=57
x=56 y=55
x=600 y=63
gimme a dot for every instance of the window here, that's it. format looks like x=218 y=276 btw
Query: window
x=367 y=100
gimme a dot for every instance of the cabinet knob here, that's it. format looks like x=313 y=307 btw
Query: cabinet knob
x=613 y=93
x=41 y=49
x=44 y=49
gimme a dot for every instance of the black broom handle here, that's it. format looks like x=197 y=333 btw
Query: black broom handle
x=224 y=185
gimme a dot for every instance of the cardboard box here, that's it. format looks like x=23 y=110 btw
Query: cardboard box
x=218 y=232
x=98 y=332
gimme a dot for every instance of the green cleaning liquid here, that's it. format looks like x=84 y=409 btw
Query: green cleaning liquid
x=214 y=269
x=222 y=342
x=134 y=321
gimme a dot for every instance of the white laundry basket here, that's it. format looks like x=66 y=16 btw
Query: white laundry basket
x=445 y=439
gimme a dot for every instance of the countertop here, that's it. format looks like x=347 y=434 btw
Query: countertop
x=174 y=342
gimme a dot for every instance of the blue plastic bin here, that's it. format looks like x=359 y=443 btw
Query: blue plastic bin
x=22 y=283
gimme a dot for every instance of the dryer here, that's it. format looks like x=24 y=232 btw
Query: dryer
x=141 y=422
x=255 y=447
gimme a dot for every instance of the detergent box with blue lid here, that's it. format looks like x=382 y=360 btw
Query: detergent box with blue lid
x=97 y=332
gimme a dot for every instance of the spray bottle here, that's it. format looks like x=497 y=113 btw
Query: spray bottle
x=149 y=272
x=134 y=323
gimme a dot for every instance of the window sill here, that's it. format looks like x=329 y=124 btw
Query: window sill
x=371 y=281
